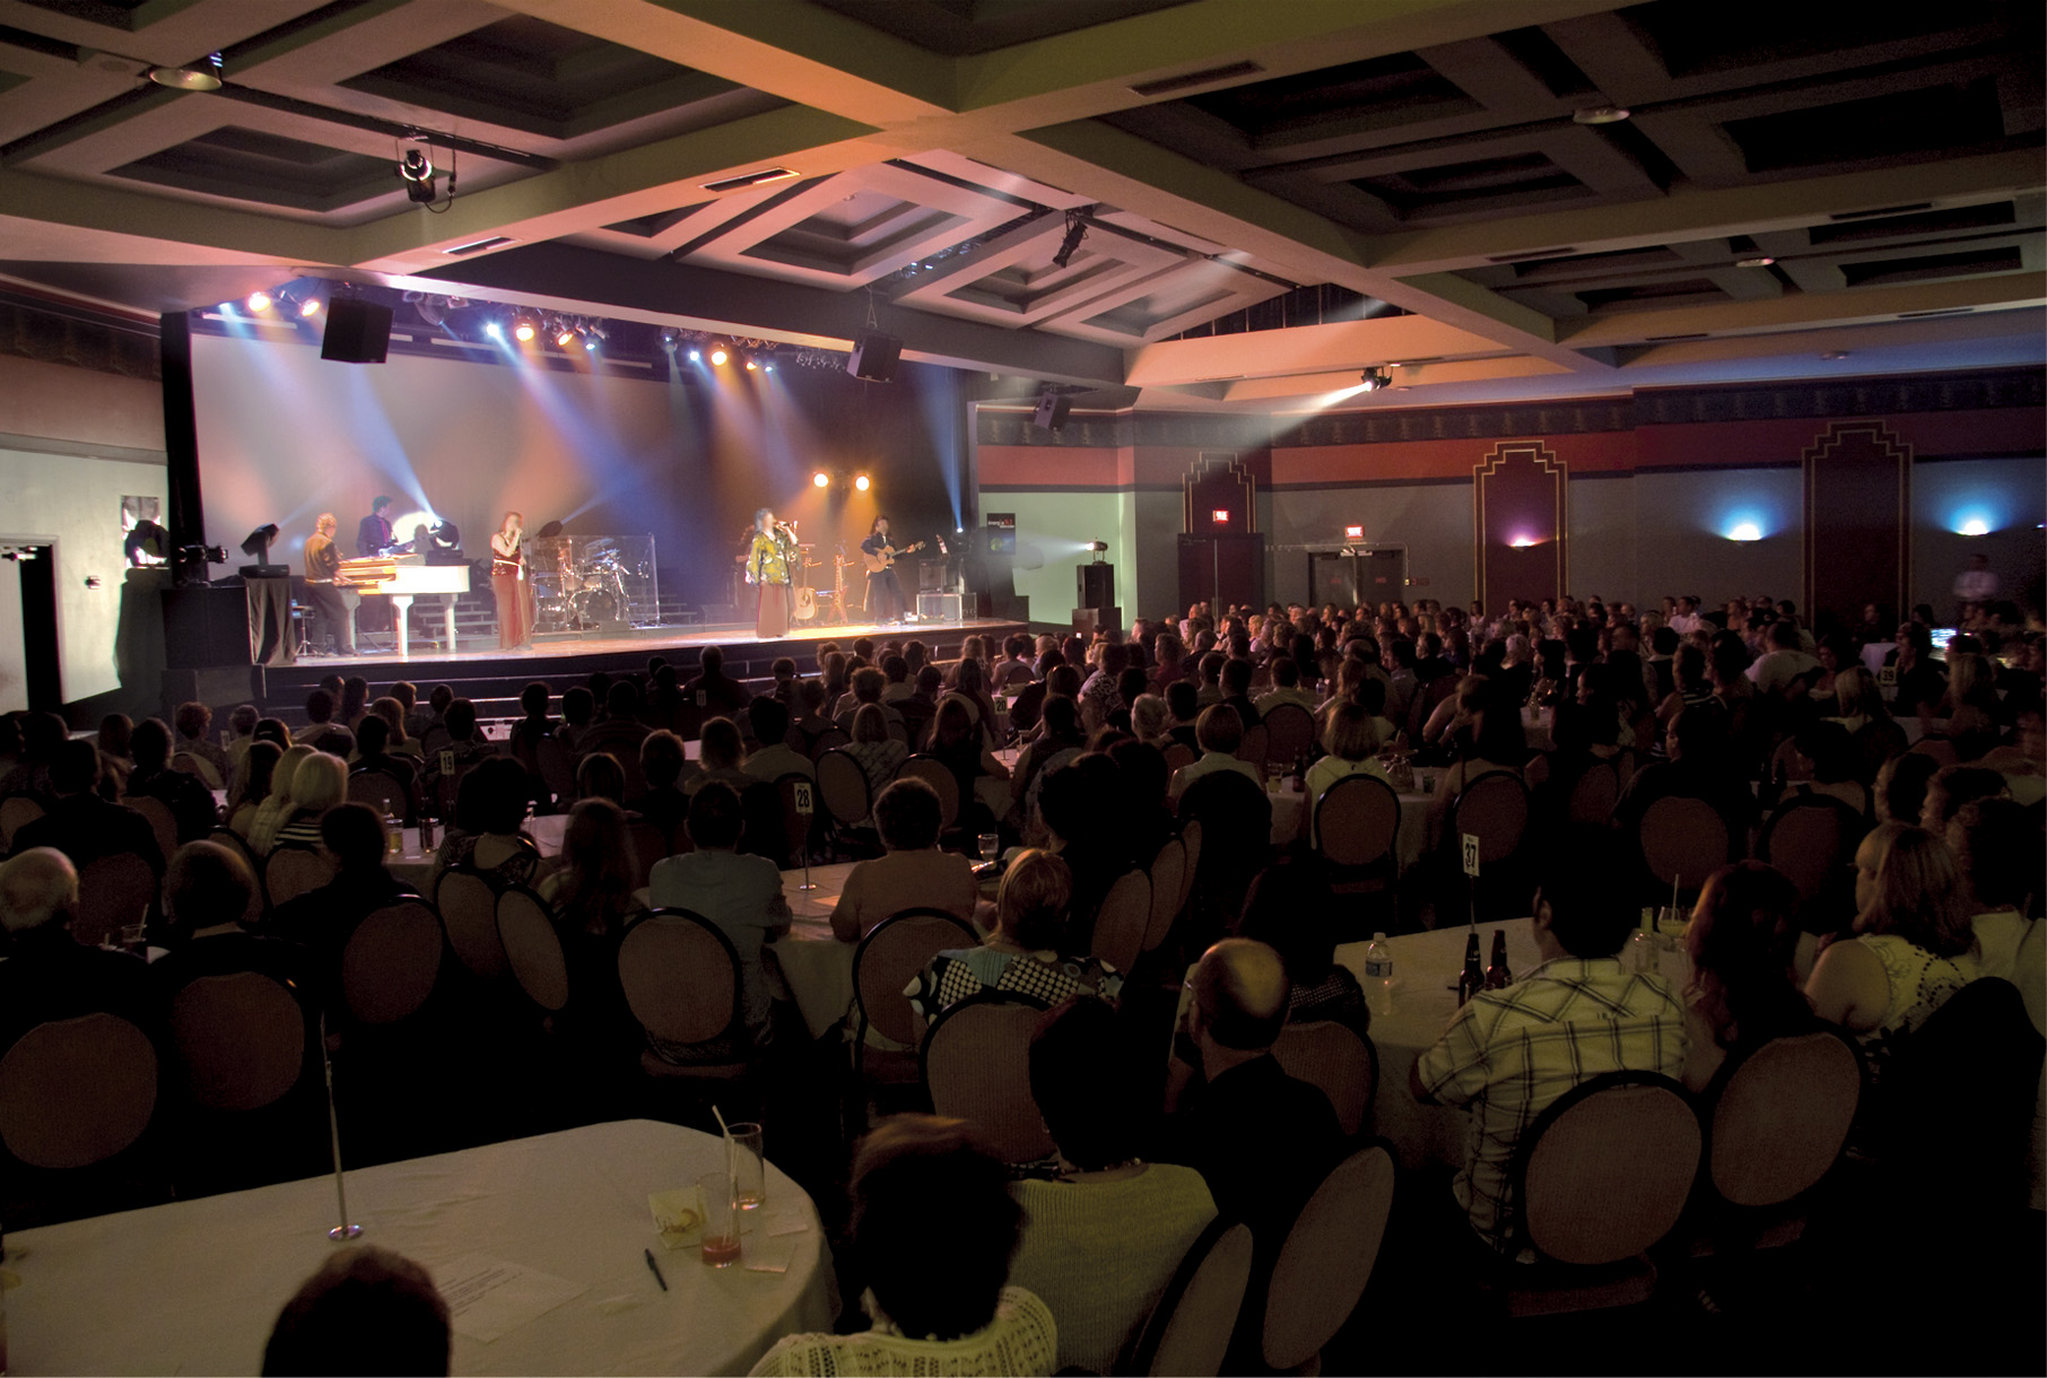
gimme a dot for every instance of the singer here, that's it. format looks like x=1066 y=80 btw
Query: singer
x=509 y=582
x=768 y=564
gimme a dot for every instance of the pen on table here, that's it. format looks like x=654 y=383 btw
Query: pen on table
x=656 y=1268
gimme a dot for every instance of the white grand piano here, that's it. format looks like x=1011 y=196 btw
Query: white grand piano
x=401 y=578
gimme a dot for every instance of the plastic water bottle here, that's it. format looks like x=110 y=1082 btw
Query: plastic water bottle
x=1378 y=975
x=1642 y=946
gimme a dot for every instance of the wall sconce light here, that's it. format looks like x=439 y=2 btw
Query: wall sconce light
x=1744 y=531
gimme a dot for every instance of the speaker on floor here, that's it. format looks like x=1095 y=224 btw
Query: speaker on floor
x=358 y=332
x=1052 y=412
x=875 y=356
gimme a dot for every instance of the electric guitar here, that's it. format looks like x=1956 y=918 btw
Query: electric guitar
x=877 y=563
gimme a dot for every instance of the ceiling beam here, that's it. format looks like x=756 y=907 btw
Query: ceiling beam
x=2007 y=292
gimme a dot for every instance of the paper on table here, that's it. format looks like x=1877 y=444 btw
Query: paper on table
x=678 y=1216
x=772 y=1257
x=488 y=1297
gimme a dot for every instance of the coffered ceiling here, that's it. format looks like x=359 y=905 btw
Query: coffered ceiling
x=1136 y=194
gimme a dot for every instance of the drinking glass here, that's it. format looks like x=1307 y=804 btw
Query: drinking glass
x=720 y=1246
x=991 y=846
x=749 y=1166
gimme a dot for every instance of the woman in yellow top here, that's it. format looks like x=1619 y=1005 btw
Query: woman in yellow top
x=768 y=564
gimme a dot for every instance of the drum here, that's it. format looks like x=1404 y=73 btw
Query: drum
x=596 y=605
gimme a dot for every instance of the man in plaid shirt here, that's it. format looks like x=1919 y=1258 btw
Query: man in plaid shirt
x=1508 y=1054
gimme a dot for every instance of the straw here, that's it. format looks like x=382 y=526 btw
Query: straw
x=723 y=1127
x=1674 y=882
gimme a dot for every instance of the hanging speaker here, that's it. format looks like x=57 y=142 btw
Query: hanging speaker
x=358 y=332
x=1052 y=412
x=875 y=357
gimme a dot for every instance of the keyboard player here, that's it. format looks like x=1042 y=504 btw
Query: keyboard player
x=323 y=565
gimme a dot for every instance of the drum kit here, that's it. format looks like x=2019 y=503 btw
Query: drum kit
x=581 y=584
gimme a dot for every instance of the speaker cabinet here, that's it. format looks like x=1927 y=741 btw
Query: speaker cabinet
x=358 y=332
x=1096 y=584
x=1052 y=412
x=875 y=357
x=205 y=628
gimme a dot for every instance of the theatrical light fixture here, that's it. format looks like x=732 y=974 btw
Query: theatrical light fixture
x=862 y=482
x=309 y=308
x=524 y=327
x=1076 y=230
x=494 y=330
x=200 y=76
x=695 y=356
x=751 y=366
x=669 y=339
x=259 y=301
x=719 y=356
x=1759 y=261
x=564 y=335
x=1373 y=379
x=416 y=170
x=590 y=342
x=1744 y=531
x=1600 y=114
x=821 y=479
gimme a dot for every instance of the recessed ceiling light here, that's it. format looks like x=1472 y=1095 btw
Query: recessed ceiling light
x=203 y=75
x=1600 y=114
x=1759 y=261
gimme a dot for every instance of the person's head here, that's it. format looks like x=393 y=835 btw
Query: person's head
x=439 y=697
x=1997 y=853
x=287 y=770
x=149 y=745
x=461 y=720
x=1078 y=802
x=763 y=518
x=1917 y=894
x=320 y=782
x=880 y=527
x=720 y=745
x=621 y=701
x=1742 y=937
x=1149 y=717
x=1953 y=786
x=712 y=659
x=770 y=720
x=252 y=785
x=353 y=834
x=373 y=738
x=1287 y=907
x=1183 y=699
x=37 y=887
x=325 y=524
x=533 y=699
x=1220 y=728
x=365 y=1311
x=1583 y=900
x=242 y=719
x=505 y=792
x=715 y=817
x=1901 y=784
x=1352 y=733
x=661 y=759
x=599 y=776
x=899 y=1171
x=319 y=706
x=896 y=669
x=1085 y=1079
x=1061 y=715
x=392 y=714
x=207 y=884
x=908 y=816
x=954 y=722
x=193 y=718
x=1030 y=907
x=598 y=849
x=515 y=522
x=1240 y=991
x=868 y=683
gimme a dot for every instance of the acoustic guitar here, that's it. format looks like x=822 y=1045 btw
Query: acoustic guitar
x=877 y=563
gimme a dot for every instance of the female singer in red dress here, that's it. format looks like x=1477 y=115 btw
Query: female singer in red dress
x=509 y=582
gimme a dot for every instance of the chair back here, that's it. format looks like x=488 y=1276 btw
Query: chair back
x=843 y=783
x=555 y=766
x=1328 y=1257
x=1124 y=921
x=1595 y=794
x=1190 y=838
x=681 y=976
x=240 y=1040
x=1253 y=748
x=831 y=739
x=469 y=912
x=1189 y=1330
x=113 y=892
x=649 y=845
x=15 y=810
x=234 y=842
x=1604 y=1172
x=380 y=791
x=162 y=821
x=1179 y=754
x=533 y=948
x=1782 y=1118
x=1337 y=1060
x=1813 y=841
x=1683 y=841
x=391 y=962
x=1357 y=820
x=976 y=1066
x=191 y=763
x=1289 y=732
x=939 y=776
x=1494 y=805
x=293 y=869
x=1168 y=884
x=1939 y=748
x=890 y=956
x=75 y=1092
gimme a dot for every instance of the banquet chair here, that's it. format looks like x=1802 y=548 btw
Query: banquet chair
x=1190 y=838
x=253 y=914
x=1236 y=817
x=1289 y=734
x=975 y=1066
x=842 y=783
x=1252 y=750
x=649 y=843
x=1939 y=748
x=886 y=961
x=1494 y=806
x=532 y=948
x=15 y=810
x=1776 y=1123
x=293 y=869
x=939 y=776
x=191 y=763
x=381 y=791
x=1337 y=1060
x=1598 y=1179
x=1177 y=755
x=1328 y=1257
x=1356 y=823
x=76 y=1096
x=1189 y=1329
x=161 y=820
x=1594 y=795
x=1168 y=873
x=556 y=769
x=831 y=739
x=468 y=909
x=113 y=892
x=390 y=964
x=1683 y=841
x=681 y=979
x=1813 y=841
x=1123 y=921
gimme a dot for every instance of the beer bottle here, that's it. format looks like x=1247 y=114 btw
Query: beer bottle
x=1497 y=977
x=1472 y=981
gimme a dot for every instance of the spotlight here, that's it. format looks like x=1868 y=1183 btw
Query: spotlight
x=821 y=479
x=309 y=308
x=719 y=356
x=862 y=482
x=1600 y=114
x=1076 y=230
x=1373 y=379
x=416 y=170
x=259 y=301
x=669 y=339
x=494 y=330
x=695 y=356
x=524 y=327
x=564 y=335
x=751 y=366
x=590 y=343
x=767 y=368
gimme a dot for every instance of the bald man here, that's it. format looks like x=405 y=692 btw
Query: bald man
x=1262 y=1140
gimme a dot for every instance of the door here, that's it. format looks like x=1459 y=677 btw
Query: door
x=1361 y=577
x=29 y=675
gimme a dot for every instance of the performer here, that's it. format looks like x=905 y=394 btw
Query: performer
x=509 y=582
x=884 y=594
x=373 y=533
x=323 y=564
x=769 y=560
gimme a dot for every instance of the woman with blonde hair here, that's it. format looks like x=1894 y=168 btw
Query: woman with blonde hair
x=319 y=783
x=276 y=806
x=252 y=786
x=1857 y=700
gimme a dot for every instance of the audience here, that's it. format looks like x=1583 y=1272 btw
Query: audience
x=206 y=887
x=79 y=822
x=912 y=873
x=1021 y=956
x=489 y=809
x=1220 y=731
x=366 y=1311
x=323 y=919
x=1744 y=991
x=50 y=974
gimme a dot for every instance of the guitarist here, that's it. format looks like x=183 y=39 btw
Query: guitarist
x=884 y=595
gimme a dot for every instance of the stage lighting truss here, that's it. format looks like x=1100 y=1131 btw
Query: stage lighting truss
x=525 y=325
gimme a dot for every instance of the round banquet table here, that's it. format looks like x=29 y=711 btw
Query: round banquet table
x=416 y=867
x=193 y=1287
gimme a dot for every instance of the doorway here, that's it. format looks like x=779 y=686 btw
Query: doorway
x=29 y=675
x=1357 y=575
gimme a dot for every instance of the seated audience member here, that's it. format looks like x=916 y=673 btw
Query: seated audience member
x=1912 y=944
x=206 y=886
x=81 y=824
x=935 y=1310
x=526 y=733
x=600 y=776
x=786 y=683
x=252 y=786
x=320 y=706
x=365 y=1311
x=1183 y=709
x=1236 y=683
x=719 y=753
x=489 y=810
x=879 y=754
x=48 y=973
x=774 y=757
x=809 y=726
x=912 y=874
x=620 y=731
x=1857 y=700
x=713 y=692
x=192 y=720
x=320 y=782
x=1103 y=1239
x=1088 y=821
x=1260 y=1139
x=958 y=743
x=664 y=762
x=1786 y=663
x=1220 y=732
x=1901 y=785
x=1699 y=768
x=1352 y=743
x=579 y=711
x=867 y=684
x=322 y=919
x=1744 y=991
x=1826 y=767
x=1061 y=738
x=1286 y=688
x=276 y=806
x=1507 y=1054
x=41 y=735
x=1287 y=908
x=1021 y=957
x=591 y=891
x=1997 y=855
x=465 y=739
x=741 y=894
x=1953 y=786
x=241 y=724
x=374 y=749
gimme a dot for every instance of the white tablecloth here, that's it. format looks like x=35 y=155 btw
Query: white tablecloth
x=816 y=968
x=193 y=1287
